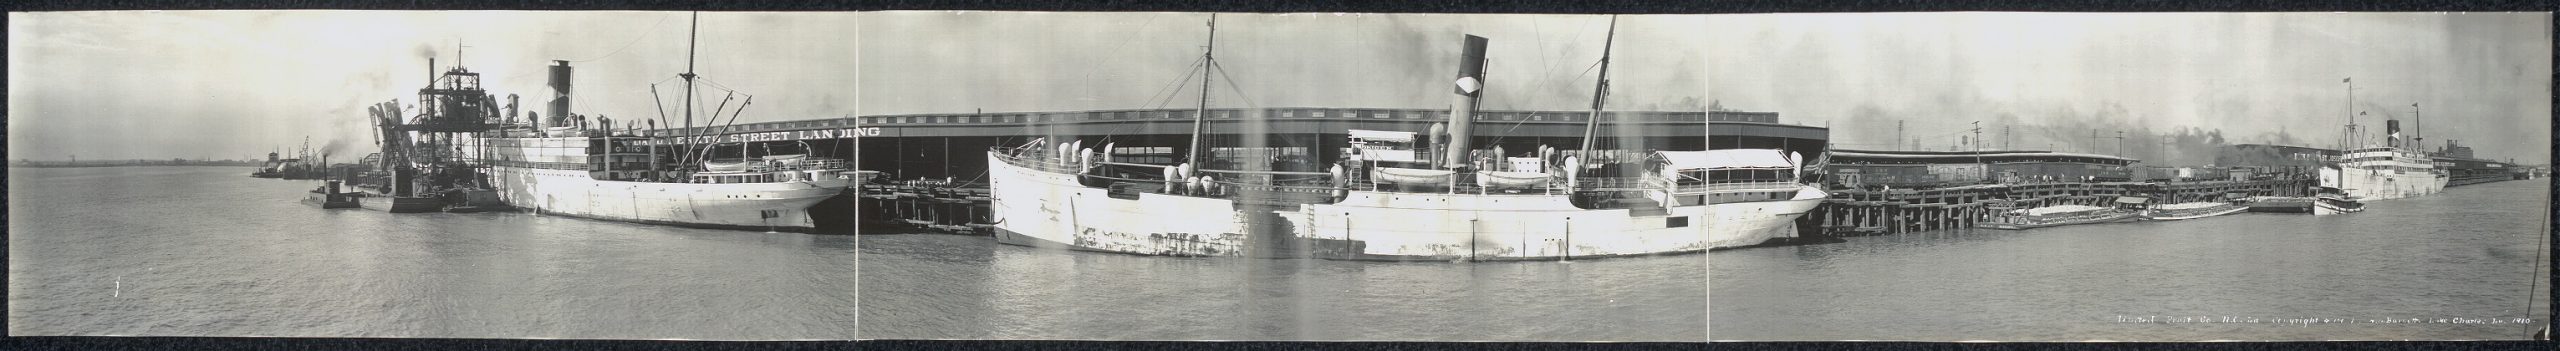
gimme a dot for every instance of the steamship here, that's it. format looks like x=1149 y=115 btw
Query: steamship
x=569 y=166
x=1388 y=201
x=1062 y=195
x=2385 y=172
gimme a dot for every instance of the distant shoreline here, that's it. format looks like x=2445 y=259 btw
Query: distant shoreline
x=86 y=165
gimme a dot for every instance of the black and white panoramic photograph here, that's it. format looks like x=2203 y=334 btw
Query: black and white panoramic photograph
x=1317 y=177
x=2150 y=177
x=429 y=174
x=1240 y=176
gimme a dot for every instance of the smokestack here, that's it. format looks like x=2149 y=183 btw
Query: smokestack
x=1470 y=87
x=511 y=108
x=559 y=90
x=431 y=72
x=2392 y=127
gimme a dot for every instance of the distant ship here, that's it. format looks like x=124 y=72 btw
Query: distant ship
x=2382 y=172
x=2388 y=172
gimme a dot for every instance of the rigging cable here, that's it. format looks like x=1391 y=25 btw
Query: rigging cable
x=1172 y=91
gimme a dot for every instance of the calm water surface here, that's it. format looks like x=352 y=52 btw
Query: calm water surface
x=927 y=286
x=2466 y=253
x=207 y=251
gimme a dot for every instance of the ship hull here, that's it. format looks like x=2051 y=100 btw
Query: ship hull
x=1368 y=225
x=399 y=204
x=330 y=201
x=1046 y=209
x=2186 y=215
x=2331 y=207
x=2376 y=185
x=750 y=206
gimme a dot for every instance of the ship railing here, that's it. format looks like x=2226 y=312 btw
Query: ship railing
x=822 y=163
x=1739 y=187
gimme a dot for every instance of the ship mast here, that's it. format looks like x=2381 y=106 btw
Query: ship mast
x=1599 y=94
x=692 y=36
x=1199 y=117
x=2347 y=142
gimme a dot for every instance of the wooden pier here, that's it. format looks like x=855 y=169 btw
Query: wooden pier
x=945 y=208
x=1859 y=212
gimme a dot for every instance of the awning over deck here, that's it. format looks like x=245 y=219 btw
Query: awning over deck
x=1727 y=159
x=1380 y=135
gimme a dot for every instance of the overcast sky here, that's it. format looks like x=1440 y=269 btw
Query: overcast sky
x=229 y=84
x=2483 y=79
x=947 y=62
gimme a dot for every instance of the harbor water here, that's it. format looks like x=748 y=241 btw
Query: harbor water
x=207 y=251
x=928 y=286
x=2460 y=265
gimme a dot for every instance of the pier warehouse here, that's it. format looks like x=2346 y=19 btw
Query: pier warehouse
x=1927 y=169
x=939 y=146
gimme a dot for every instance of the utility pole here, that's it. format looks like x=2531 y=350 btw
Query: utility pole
x=1977 y=152
x=2120 y=143
x=1899 y=137
x=1977 y=136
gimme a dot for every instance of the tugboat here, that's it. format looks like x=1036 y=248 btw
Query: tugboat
x=331 y=196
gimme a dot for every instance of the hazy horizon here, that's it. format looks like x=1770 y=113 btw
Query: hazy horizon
x=2055 y=78
x=232 y=84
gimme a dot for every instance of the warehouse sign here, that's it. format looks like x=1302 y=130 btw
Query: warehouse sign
x=788 y=135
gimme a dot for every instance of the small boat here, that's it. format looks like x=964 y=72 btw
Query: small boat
x=2054 y=216
x=328 y=196
x=725 y=166
x=1411 y=176
x=1512 y=180
x=2193 y=210
x=2280 y=204
x=2335 y=201
x=2330 y=205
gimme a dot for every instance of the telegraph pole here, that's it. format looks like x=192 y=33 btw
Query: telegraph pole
x=1977 y=151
